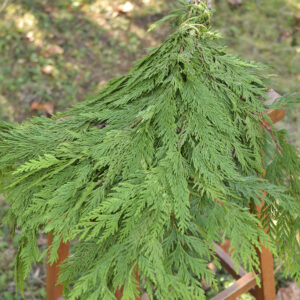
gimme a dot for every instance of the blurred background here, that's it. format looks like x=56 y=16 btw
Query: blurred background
x=56 y=53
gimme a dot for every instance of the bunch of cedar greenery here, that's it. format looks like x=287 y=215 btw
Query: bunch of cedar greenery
x=259 y=30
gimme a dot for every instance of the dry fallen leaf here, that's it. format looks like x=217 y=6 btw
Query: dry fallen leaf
x=47 y=108
x=29 y=36
x=36 y=106
x=48 y=9
x=48 y=69
x=126 y=7
x=53 y=50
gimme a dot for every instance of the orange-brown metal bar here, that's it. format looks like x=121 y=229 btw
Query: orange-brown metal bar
x=54 y=291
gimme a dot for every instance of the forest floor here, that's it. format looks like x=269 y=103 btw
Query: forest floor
x=56 y=53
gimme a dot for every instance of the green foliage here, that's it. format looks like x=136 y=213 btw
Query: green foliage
x=154 y=169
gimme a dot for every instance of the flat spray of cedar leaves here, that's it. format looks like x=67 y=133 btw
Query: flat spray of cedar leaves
x=151 y=171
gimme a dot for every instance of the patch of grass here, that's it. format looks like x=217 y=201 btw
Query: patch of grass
x=82 y=44
x=267 y=32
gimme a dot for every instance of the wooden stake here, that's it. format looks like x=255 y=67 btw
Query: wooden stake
x=54 y=291
x=267 y=291
x=241 y=286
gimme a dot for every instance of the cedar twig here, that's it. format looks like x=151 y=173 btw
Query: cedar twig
x=182 y=129
x=208 y=2
x=270 y=131
x=136 y=122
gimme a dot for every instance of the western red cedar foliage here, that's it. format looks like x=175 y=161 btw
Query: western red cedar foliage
x=153 y=169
